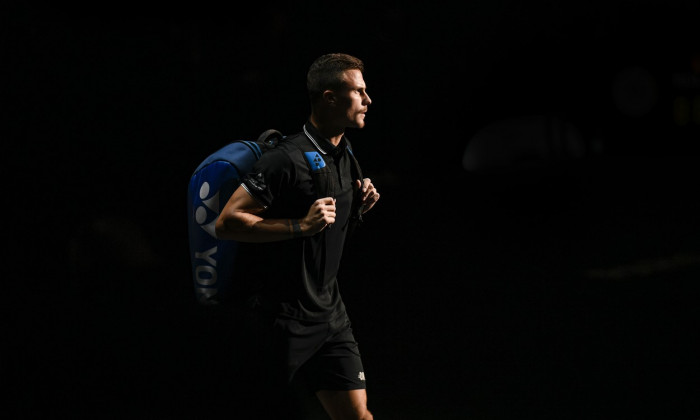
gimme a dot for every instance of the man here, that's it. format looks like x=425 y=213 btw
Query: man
x=298 y=235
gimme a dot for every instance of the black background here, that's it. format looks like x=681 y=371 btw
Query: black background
x=554 y=284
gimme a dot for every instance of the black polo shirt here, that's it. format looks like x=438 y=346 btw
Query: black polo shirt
x=297 y=277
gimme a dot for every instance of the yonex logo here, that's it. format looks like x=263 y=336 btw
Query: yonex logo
x=361 y=376
x=206 y=274
x=212 y=203
x=315 y=160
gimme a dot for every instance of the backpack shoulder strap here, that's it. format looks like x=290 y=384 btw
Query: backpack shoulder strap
x=357 y=171
x=357 y=207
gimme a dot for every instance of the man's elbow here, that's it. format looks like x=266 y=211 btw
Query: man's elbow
x=232 y=226
x=223 y=228
x=219 y=229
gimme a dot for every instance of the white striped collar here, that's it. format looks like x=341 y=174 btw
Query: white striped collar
x=320 y=149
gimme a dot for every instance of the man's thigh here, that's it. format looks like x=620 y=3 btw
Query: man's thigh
x=350 y=404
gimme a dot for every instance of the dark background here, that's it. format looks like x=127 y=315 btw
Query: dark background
x=535 y=253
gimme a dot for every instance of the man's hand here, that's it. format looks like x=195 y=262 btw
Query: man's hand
x=321 y=214
x=370 y=196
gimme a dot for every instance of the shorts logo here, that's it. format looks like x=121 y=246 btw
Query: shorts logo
x=361 y=376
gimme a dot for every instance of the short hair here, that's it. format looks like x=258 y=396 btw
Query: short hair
x=326 y=72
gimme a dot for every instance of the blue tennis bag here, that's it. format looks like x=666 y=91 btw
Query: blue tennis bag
x=210 y=187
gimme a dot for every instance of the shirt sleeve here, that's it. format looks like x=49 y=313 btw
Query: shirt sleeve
x=268 y=176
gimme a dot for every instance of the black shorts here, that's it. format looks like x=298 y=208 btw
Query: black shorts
x=323 y=355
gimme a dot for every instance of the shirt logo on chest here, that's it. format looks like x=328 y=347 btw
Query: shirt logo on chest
x=315 y=160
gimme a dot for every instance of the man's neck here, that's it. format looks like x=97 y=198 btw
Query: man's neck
x=332 y=133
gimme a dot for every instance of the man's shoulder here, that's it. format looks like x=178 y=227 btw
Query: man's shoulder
x=285 y=154
x=286 y=149
x=294 y=147
x=294 y=141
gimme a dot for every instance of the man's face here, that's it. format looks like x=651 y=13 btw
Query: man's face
x=353 y=100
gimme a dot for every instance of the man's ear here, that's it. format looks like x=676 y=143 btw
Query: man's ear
x=329 y=97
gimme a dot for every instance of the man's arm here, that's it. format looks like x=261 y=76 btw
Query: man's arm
x=241 y=220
